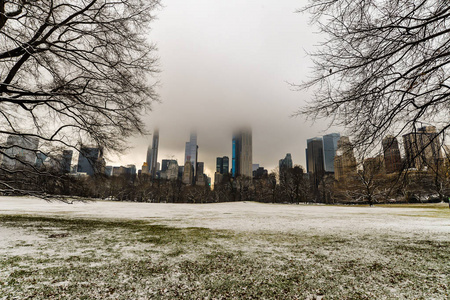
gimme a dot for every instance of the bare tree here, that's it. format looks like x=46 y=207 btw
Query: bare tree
x=383 y=68
x=73 y=72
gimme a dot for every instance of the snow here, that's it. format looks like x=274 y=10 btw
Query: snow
x=247 y=216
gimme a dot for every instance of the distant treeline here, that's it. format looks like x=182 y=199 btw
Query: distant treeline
x=286 y=186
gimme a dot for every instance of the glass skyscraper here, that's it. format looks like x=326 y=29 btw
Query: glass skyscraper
x=242 y=153
x=191 y=151
x=329 y=150
x=152 y=154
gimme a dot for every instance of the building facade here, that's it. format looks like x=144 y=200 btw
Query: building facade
x=19 y=152
x=191 y=152
x=422 y=148
x=329 y=150
x=285 y=163
x=222 y=164
x=152 y=154
x=344 y=161
x=391 y=153
x=90 y=160
x=242 y=153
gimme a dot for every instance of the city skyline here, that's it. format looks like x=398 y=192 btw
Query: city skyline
x=218 y=73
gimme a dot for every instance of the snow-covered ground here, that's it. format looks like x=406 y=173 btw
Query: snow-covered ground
x=249 y=216
x=250 y=250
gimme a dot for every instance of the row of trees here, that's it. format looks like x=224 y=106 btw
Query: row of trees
x=288 y=185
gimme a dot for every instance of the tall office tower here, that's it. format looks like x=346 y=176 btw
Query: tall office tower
x=172 y=170
x=219 y=165
x=90 y=160
x=315 y=156
x=391 y=152
x=329 y=150
x=422 y=148
x=66 y=161
x=191 y=152
x=19 y=152
x=152 y=154
x=225 y=165
x=188 y=173
x=131 y=169
x=242 y=153
x=109 y=170
x=344 y=161
x=40 y=159
x=145 y=169
x=222 y=164
x=165 y=164
x=200 y=178
x=285 y=163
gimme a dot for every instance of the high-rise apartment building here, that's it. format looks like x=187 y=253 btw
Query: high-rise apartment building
x=315 y=156
x=152 y=154
x=219 y=165
x=222 y=164
x=242 y=153
x=191 y=152
x=90 y=160
x=285 y=163
x=329 y=150
x=188 y=173
x=422 y=148
x=19 y=152
x=344 y=161
x=66 y=161
x=391 y=152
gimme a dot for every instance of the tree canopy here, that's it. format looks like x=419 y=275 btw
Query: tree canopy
x=383 y=68
x=75 y=71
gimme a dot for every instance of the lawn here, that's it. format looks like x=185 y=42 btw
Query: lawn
x=110 y=250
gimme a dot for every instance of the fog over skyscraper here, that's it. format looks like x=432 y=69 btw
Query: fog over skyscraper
x=242 y=153
x=191 y=152
x=152 y=154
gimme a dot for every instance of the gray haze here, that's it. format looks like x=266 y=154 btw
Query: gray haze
x=225 y=64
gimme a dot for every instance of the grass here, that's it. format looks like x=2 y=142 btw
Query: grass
x=62 y=258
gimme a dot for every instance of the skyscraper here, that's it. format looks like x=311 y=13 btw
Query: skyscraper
x=222 y=165
x=188 y=173
x=20 y=152
x=422 y=148
x=344 y=161
x=152 y=154
x=90 y=160
x=285 y=163
x=329 y=150
x=191 y=152
x=225 y=164
x=66 y=160
x=219 y=165
x=242 y=153
x=391 y=152
x=315 y=156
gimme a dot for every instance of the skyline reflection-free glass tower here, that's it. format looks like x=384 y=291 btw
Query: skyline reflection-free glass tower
x=152 y=154
x=242 y=153
x=329 y=150
x=191 y=152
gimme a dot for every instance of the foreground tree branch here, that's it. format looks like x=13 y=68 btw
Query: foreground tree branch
x=384 y=67
x=75 y=72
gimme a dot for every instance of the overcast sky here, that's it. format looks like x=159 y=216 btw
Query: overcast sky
x=225 y=64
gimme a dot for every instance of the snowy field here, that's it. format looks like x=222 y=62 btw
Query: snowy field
x=120 y=250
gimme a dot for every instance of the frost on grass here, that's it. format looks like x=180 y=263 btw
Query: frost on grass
x=238 y=250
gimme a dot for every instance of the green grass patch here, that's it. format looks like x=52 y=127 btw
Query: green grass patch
x=117 y=259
